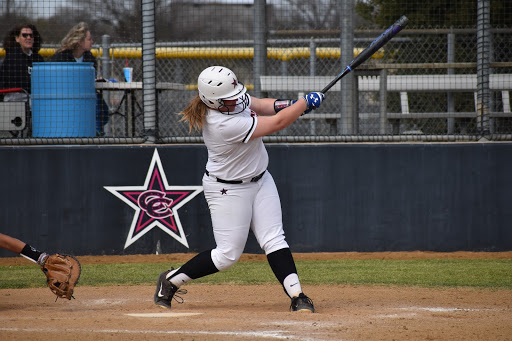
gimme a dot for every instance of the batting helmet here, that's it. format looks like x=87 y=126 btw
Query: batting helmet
x=218 y=83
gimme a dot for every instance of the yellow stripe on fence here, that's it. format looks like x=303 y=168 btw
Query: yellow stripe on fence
x=283 y=54
x=48 y=52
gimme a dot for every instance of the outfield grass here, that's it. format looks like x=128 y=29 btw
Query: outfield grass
x=479 y=273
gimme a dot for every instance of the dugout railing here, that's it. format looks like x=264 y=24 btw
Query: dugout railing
x=274 y=86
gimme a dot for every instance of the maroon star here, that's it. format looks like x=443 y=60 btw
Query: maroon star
x=224 y=191
x=234 y=83
x=162 y=202
x=155 y=203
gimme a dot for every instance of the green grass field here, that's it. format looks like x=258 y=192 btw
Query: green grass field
x=478 y=273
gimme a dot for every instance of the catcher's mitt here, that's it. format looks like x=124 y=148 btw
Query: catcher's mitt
x=62 y=273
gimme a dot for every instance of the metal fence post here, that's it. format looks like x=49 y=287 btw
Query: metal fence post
x=356 y=104
x=260 y=44
x=482 y=65
x=312 y=57
x=346 y=8
x=312 y=72
x=106 y=64
x=450 y=97
x=383 y=102
x=149 y=70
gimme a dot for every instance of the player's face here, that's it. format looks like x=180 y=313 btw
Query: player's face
x=25 y=39
x=229 y=105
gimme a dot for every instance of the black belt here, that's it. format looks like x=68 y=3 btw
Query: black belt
x=235 y=182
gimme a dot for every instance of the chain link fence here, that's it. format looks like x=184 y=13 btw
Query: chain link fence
x=446 y=77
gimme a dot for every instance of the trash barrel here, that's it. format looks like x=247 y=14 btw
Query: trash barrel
x=63 y=100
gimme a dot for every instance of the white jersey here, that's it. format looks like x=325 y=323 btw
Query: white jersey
x=232 y=155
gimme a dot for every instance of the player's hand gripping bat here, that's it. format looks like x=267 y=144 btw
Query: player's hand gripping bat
x=370 y=50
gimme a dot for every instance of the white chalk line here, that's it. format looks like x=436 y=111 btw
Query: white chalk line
x=163 y=314
x=299 y=323
x=442 y=309
x=277 y=334
x=104 y=301
x=413 y=311
x=402 y=315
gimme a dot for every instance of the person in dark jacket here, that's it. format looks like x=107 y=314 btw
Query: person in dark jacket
x=76 y=47
x=21 y=44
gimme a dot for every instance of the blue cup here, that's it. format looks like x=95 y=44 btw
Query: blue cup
x=128 y=73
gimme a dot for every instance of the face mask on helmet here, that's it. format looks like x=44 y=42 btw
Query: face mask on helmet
x=235 y=106
x=219 y=89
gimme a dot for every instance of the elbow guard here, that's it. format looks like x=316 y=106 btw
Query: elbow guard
x=280 y=104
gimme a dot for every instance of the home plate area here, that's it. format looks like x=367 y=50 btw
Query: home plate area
x=259 y=312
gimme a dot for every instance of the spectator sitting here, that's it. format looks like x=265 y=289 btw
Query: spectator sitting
x=76 y=47
x=21 y=44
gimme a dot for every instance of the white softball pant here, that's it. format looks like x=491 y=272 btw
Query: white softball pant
x=236 y=208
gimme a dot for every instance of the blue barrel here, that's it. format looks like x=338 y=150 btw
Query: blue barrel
x=63 y=100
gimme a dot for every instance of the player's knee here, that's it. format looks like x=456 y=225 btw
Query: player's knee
x=224 y=260
x=274 y=244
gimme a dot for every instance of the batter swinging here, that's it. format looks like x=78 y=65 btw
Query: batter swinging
x=240 y=192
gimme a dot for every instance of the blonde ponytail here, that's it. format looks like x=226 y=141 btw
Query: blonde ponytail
x=194 y=114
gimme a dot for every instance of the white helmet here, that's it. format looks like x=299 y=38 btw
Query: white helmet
x=218 y=83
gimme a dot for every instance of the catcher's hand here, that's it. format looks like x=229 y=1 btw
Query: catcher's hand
x=62 y=273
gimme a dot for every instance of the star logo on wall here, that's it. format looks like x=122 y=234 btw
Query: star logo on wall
x=155 y=203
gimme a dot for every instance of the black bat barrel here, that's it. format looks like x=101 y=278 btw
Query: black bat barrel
x=370 y=50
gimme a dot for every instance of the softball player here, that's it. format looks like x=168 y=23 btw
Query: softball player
x=240 y=192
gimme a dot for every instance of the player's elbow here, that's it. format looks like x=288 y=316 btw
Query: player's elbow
x=280 y=123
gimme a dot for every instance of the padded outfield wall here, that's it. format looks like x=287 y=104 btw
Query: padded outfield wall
x=93 y=200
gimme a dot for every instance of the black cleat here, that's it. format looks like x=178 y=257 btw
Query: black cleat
x=165 y=291
x=302 y=303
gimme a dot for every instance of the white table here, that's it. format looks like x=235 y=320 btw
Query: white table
x=138 y=86
x=129 y=99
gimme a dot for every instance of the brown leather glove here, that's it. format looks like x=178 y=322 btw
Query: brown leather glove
x=62 y=274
